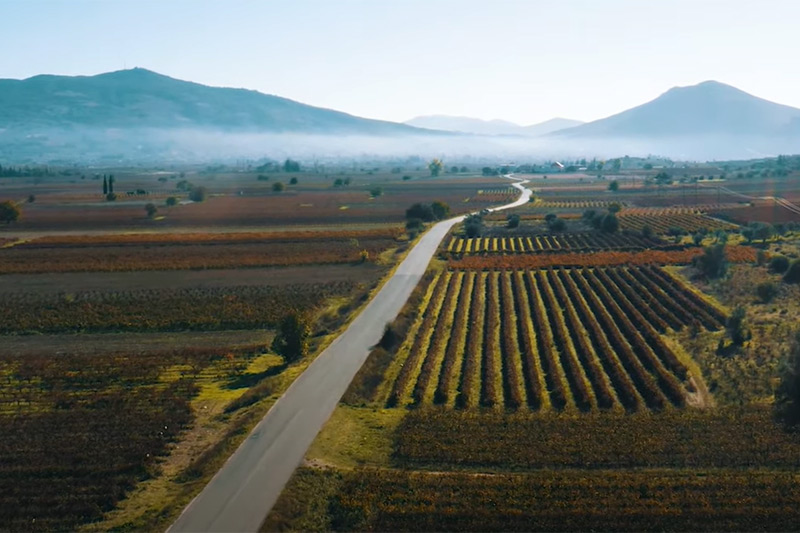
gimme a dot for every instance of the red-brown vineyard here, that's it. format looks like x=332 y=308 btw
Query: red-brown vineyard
x=558 y=339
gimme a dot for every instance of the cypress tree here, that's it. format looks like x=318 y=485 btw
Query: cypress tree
x=105 y=185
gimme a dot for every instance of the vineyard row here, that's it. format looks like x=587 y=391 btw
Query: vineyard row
x=551 y=339
x=546 y=243
x=663 y=223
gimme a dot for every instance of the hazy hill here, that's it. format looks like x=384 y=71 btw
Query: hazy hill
x=139 y=98
x=489 y=127
x=707 y=109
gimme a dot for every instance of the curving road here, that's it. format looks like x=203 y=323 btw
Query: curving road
x=244 y=490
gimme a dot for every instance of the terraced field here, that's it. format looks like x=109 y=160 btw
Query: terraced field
x=551 y=339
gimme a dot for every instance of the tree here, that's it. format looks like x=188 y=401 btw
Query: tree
x=615 y=208
x=613 y=185
x=151 y=210
x=198 y=194
x=376 y=191
x=435 y=167
x=558 y=225
x=110 y=183
x=647 y=231
x=423 y=212
x=291 y=166
x=735 y=326
x=454 y=170
x=677 y=233
x=9 y=212
x=779 y=264
x=291 y=341
x=111 y=197
x=105 y=185
x=473 y=226
x=713 y=263
x=787 y=395
x=171 y=201
x=792 y=274
x=31 y=198
x=512 y=221
x=338 y=182
x=293 y=181
x=440 y=210
x=616 y=166
x=609 y=223
x=278 y=187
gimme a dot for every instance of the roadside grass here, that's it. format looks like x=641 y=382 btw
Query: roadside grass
x=355 y=436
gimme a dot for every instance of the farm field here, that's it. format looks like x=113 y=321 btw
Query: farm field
x=684 y=256
x=136 y=353
x=661 y=224
x=565 y=381
x=568 y=339
x=550 y=243
x=205 y=251
x=239 y=200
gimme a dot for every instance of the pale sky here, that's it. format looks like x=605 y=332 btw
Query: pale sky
x=524 y=61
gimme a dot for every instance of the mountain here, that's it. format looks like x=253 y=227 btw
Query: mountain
x=139 y=98
x=549 y=126
x=703 y=110
x=489 y=127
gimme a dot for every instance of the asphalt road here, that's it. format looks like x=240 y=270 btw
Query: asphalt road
x=241 y=494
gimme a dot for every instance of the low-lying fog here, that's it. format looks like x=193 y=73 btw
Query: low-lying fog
x=83 y=145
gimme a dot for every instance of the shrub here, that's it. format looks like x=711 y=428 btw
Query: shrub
x=766 y=291
x=558 y=225
x=171 y=201
x=440 y=210
x=291 y=341
x=151 y=210
x=421 y=211
x=111 y=197
x=609 y=223
x=647 y=231
x=779 y=264
x=713 y=263
x=473 y=226
x=512 y=221
x=735 y=326
x=9 y=212
x=293 y=181
x=278 y=186
x=414 y=224
x=792 y=274
x=198 y=194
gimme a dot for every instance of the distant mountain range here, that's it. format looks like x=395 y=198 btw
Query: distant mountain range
x=708 y=108
x=140 y=98
x=490 y=127
x=138 y=114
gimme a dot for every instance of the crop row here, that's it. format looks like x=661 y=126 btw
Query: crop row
x=162 y=309
x=548 y=243
x=165 y=256
x=663 y=223
x=695 y=209
x=544 y=339
x=390 y=500
x=579 y=204
x=736 y=254
x=389 y=232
